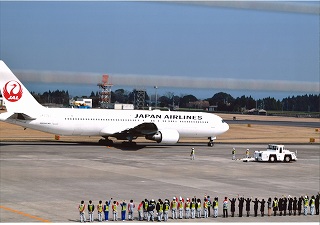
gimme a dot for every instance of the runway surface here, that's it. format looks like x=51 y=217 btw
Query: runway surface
x=277 y=123
x=46 y=181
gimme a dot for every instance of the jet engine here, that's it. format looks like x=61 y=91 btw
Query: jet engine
x=166 y=136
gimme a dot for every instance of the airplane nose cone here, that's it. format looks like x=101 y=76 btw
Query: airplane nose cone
x=225 y=127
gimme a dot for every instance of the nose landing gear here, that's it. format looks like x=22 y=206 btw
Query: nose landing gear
x=211 y=141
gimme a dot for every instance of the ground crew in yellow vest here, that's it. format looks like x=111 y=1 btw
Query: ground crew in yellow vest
x=159 y=208
x=233 y=154
x=115 y=210
x=174 y=205
x=145 y=209
x=305 y=205
x=100 y=210
x=187 y=206
x=106 y=210
x=275 y=206
x=198 y=208
x=166 y=208
x=131 y=206
x=123 y=210
x=193 y=208
x=312 y=205
x=247 y=153
x=205 y=208
x=209 y=205
x=81 y=208
x=90 y=211
x=180 y=207
x=215 y=207
x=192 y=155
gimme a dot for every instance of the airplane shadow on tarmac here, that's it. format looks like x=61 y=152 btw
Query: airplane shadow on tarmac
x=124 y=146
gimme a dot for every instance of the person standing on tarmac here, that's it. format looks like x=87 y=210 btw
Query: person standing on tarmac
x=180 y=207
x=312 y=205
x=90 y=211
x=233 y=206
x=275 y=206
x=215 y=207
x=151 y=207
x=192 y=154
x=317 y=203
x=174 y=206
x=294 y=205
x=305 y=205
x=131 y=206
x=233 y=154
x=166 y=208
x=198 y=208
x=100 y=210
x=248 y=201
x=187 y=207
x=145 y=209
x=262 y=202
x=81 y=208
x=240 y=205
x=209 y=205
x=269 y=203
x=205 y=208
x=106 y=210
x=115 y=210
x=193 y=208
x=247 y=153
x=225 y=207
x=284 y=205
x=290 y=204
x=255 y=206
x=140 y=211
x=159 y=208
x=123 y=210
x=300 y=201
x=280 y=206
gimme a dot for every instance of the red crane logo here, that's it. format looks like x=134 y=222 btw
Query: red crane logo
x=12 y=91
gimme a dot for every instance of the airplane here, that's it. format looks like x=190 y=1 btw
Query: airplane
x=165 y=127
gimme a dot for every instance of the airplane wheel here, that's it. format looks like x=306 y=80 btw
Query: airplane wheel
x=105 y=142
x=210 y=144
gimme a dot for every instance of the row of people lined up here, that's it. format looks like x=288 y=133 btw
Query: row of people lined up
x=193 y=208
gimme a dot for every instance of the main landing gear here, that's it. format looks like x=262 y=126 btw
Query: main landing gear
x=105 y=141
x=211 y=141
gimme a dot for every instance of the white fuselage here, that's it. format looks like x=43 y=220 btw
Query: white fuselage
x=105 y=122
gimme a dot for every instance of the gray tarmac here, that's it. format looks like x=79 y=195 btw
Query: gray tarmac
x=47 y=180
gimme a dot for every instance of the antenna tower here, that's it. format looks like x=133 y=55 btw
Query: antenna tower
x=139 y=96
x=105 y=91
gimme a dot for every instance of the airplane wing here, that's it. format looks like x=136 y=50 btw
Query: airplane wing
x=132 y=133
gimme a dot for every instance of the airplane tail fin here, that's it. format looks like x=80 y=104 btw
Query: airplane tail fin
x=16 y=97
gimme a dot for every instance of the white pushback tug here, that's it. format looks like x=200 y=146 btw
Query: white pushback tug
x=275 y=153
